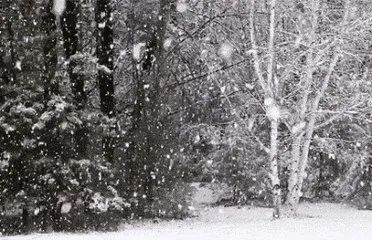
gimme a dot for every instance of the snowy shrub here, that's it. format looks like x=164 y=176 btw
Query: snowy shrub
x=172 y=201
x=166 y=194
x=218 y=155
x=63 y=189
x=39 y=170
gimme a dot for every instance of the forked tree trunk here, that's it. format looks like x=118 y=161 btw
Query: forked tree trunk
x=310 y=128
x=291 y=204
x=301 y=146
x=298 y=174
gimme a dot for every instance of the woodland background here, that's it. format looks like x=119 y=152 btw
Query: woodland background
x=110 y=109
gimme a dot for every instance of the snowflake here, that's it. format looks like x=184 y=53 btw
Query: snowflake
x=181 y=6
x=226 y=50
x=59 y=7
x=137 y=50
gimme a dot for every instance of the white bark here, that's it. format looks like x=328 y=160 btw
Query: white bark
x=275 y=181
x=270 y=67
x=313 y=117
x=311 y=125
x=293 y=168
x=291 y=201
x=273 y=86
x=301 y=146
x=256 y=59
x=269 y=87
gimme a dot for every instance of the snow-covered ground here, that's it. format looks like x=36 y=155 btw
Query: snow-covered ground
x=323 y=221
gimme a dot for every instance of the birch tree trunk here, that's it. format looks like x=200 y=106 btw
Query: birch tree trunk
x=310 y=130
x=301 y=145
x=297 y=136
x=269 y=87
x=275 y=181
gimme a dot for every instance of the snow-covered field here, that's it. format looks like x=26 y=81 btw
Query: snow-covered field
x=323 y=221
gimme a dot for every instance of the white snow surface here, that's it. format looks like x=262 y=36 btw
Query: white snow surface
x=323 y=221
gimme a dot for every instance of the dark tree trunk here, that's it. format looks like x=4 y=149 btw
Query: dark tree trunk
x=56 y=216
x=69 y=21
x=4 y=78
x=13 y=73
x=144 y=152
x=71 y=45
x=49 y=28
x=7 y=65
x=104 y=51
x=155 y=128
x=130 y=166
x=25 y=220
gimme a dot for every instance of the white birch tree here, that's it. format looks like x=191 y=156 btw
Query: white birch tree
x=294 y=71
x=269 y=86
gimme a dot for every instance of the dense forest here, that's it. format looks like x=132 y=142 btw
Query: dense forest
x=111 y=109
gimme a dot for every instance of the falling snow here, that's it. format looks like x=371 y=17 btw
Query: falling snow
x=226 y=50
x=185 y=120
x=181 y=6
x=272 y=110
x=59 y=7
x=167 y=43
x=18 y=65
x=137 y=50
